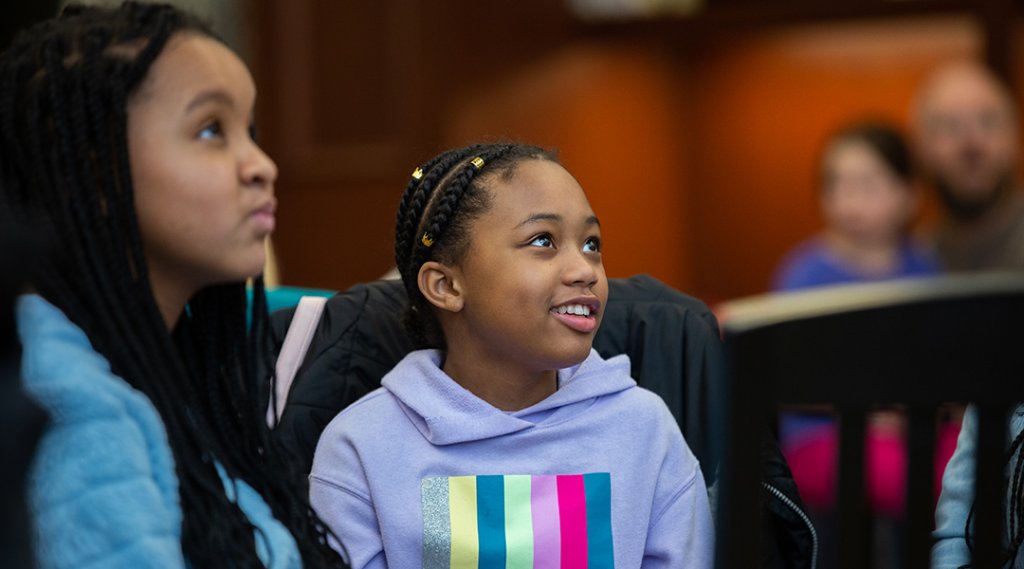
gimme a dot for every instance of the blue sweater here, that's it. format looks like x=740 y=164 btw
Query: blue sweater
x=422 y=473
x=103 y=490
x=950 y=550
x=812 y=264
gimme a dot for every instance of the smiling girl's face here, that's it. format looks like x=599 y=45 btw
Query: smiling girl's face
x=532 y=282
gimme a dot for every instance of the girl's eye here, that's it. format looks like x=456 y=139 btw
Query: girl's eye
x=210 y=131
x=252 y=132
x=592 y=245
x=542 y=241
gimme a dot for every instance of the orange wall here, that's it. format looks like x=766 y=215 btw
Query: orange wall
x=613 y=112
x=764 y=105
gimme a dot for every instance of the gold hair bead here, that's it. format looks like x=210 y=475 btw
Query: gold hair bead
x=427 y=240
x=417 y=174
x=478 y=162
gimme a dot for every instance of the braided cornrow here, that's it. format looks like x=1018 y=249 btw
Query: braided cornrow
x=435 y=214
x=64 y=169
x=415 y=197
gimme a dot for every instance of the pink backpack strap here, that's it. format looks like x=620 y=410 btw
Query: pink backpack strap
x=293 y=351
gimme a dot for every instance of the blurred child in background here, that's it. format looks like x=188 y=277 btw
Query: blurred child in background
x=868 y=201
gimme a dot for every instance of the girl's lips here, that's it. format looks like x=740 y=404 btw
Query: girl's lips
x=579 y=323
x=264 y=218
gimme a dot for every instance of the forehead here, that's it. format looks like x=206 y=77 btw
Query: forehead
x=851 y=151
x=192 y=63
x=965 y=90
x=537 y=186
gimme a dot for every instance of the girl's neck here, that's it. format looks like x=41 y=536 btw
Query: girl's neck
x=502 y=387
x=170 y=298
x=871 y=258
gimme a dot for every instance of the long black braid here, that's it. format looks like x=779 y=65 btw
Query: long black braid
x=1015 y=503
x=64 y=89
x=440 y=201
x=1015 y=520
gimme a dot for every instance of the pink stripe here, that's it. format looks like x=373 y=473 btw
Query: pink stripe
x=547 y=546
x=572 y=509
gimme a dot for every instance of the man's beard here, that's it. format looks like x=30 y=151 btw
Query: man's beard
x=969 y=209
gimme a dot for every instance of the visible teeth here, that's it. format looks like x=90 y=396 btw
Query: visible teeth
x=577 y=309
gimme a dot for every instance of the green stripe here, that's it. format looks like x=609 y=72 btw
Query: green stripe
x=518 y=523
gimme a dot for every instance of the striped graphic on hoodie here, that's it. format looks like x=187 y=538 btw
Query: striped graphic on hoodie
x=517 y=522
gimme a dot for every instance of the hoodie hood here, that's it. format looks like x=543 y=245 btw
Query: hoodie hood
x=447 y=413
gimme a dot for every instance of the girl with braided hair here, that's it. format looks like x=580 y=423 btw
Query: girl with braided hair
x=507 y=441
x=126 y=138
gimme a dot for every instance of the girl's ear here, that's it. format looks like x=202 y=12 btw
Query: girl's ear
x=440 y=285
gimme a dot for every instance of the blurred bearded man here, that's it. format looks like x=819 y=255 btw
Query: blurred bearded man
x=966 y=135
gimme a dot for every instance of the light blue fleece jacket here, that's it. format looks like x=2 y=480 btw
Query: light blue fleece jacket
x=422 y=473
x=103 y=491
x=950 y=550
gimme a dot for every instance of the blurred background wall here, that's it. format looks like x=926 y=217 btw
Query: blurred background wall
x=695 y=135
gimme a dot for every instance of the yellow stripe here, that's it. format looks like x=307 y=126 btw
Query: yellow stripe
x=462 y=505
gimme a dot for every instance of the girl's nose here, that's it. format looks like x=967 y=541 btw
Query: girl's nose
x=257 y=168
x=582 y=270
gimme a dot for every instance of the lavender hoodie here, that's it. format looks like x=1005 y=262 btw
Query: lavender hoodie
x=422 y=473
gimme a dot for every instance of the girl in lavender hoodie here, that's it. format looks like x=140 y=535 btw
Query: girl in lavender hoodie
x=507 y=442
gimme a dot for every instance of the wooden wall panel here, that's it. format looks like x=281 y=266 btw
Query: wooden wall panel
x=346 y=75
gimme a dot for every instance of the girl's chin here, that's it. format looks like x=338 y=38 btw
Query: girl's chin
x=574 y=358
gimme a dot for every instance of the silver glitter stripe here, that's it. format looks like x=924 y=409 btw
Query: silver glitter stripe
x=437 y=528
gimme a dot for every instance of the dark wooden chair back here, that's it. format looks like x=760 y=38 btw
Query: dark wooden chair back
x=917 y=344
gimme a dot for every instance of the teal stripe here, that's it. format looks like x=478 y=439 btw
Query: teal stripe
x=490 y=519
x=518 y=523
x=599 y=520
x=437 y=530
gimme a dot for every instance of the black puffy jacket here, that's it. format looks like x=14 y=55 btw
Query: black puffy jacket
x=674 y=347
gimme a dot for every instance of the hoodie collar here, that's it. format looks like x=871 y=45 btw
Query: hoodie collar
x=447 y=413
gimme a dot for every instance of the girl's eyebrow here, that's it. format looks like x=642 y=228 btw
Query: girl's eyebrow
x=537 y=217
x=213 y=95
